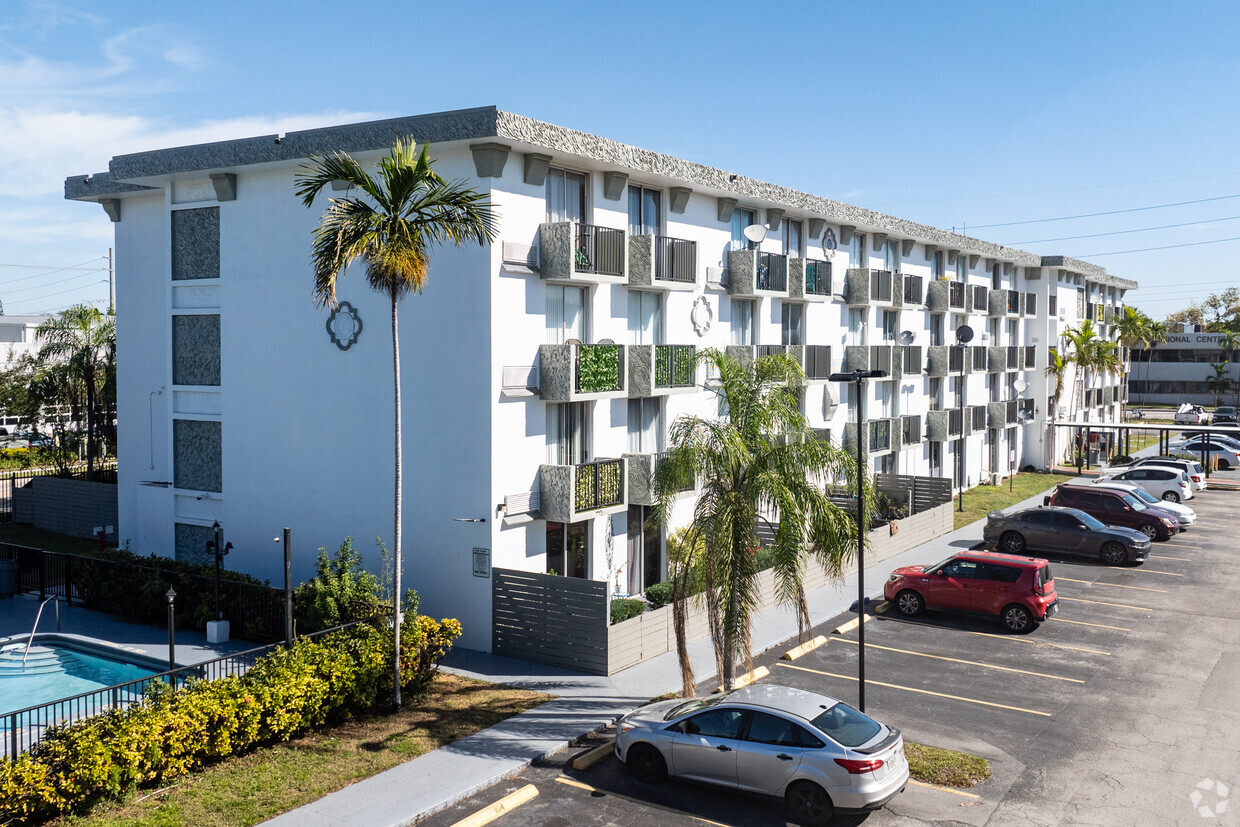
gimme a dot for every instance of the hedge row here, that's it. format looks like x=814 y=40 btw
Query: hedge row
x=172 y=732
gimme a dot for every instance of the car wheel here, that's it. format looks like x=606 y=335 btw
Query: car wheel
x=1018 y=619
x=1149 y=530
x=1171 y=496
x=1224 y=465
x=1012 y=543
x=809 y=804
x=1113 y=554
x=910 y=603
x=647 y=764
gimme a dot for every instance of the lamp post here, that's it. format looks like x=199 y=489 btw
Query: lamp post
x=172 y=628
x=858 y=377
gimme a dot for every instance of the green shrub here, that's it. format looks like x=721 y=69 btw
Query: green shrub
x=341 y=591
x=172 y=732
x=622 y=608
x=659 y=595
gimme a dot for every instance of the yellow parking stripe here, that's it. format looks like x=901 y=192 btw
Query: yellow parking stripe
x=1165 y=557
x=942 y=789
x=958 y=660
x=1095 y=625
x=1104 y=603
x=505 y=805
x=1009 y=638
x=919 y=691
x=571 y=782
x=1111 y=585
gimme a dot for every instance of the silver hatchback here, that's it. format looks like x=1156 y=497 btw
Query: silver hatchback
x=818 y=753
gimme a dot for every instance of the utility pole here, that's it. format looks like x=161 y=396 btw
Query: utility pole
x=111 y=292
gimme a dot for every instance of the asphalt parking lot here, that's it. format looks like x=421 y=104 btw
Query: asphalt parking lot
x=1122 y=709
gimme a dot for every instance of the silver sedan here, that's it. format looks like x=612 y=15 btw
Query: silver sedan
x=819 y=754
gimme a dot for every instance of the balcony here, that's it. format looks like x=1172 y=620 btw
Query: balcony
x=661 y=261
x=1030 y=307
x=641 y=468
x=944 y=359
x=753 y=273
x=998 y=303
x=910 y=430
x=1108 y=395
x=654 y=370
x=856 y=357
x=910 y=360
x=979 y=296
x=880 y=435
x=572 y=372
x=997 y=415
x=977 y=357
x=568 y=493
x=1013 y=303
x=943 y=295
x=976 y=418
x=1031 y=356
x=914 y=289
x=747 y=353
x=862 y=286
x=881 y=358
x=942 y=426
x=996 y=359
x=817 y=362
x=1015 y=358
x=809 y=278
x=582 y=253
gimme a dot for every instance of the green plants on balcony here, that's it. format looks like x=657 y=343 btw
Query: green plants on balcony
x=598 y=368
x=674 y=366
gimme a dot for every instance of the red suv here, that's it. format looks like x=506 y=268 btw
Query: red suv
x=1020 y=590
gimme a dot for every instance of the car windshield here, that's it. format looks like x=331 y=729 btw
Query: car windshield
x=695 y=705
x=1090 y=522
x=1134 y=503
x=1144 y=496
x=941 y=563
x=848 y=726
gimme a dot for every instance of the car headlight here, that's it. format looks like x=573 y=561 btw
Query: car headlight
x=1167 y=521
x=893 y=578
x=626 y=727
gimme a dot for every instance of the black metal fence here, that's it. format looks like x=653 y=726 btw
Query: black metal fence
x=955 y=294
x=599 y=484
x=135 y=592
x=24 y=728
x=817 y=278
x=599 y=250
x=675 y=260
x=817 y=361
x=772 y=271
x=675 y=366
x=12 y=480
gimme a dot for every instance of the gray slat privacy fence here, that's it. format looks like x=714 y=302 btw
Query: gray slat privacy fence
x=560 y=621
x=927 y=492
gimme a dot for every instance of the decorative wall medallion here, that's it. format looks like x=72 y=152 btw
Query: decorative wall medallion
x=344 y=325
x=828 y=243
x=701 y=315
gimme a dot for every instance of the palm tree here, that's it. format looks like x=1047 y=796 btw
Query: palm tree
x=1155 y=336
x=83 y=341
x=393 y=221
x=1083 y=340
x=1229 y=343
x=760 y=458
x=1056 y=369
x=1133 y=328
x=1220 y=381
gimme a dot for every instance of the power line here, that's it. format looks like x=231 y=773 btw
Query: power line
x=1164 y=247
x=4 y=291
x=1109 y=212
x=1124 y=232
x=50 y=295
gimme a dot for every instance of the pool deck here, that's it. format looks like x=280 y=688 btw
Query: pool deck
x=17 y=615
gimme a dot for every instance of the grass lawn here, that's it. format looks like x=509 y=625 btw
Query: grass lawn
x=984 y=498
x=945 y=767
x=269 y=781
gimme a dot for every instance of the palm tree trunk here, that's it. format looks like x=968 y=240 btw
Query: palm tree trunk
x=90 y=426
x=680 y=588
x=803 y=624
x=397 y=557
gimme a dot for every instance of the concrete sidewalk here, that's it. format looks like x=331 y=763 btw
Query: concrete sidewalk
x=583 y=703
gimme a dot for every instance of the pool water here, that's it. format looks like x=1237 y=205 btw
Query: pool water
x=55 y=672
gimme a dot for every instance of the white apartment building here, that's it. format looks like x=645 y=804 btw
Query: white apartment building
x=541 y=374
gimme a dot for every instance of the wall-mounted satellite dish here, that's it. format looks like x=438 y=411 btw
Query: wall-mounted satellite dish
x=1024 y=415
x=1020 y=385
x=906 y=337
x=755 y=233
x=964 y=334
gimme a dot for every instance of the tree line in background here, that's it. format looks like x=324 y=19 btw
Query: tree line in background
x=1217 y=313
x=67 y=388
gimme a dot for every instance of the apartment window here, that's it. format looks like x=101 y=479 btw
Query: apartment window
x=1012 y=327
x=646 y=425
x=936 y=458
x=742 y=322
x=566 y=196
x=962 y=266
x=956 y=389
x=645 y=318
x=996 y=276
x=568 y=549
x=858 y=322
x=936 y=330
x=1052 y=305
x=936 y=265
x=858 y=256
x=792 y=323
x=566 y=314
x=645 y=211
x=936 y=394
x=645 y=564
x=568 y=437
x=891 y=255
x=794 y=245
x=890 y=320
x=741 y=218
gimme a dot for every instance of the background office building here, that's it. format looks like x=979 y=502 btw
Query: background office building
x=1190 y=366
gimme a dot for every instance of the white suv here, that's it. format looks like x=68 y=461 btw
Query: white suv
x=1163 y=482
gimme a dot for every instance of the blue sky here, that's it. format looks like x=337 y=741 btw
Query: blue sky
x=958 y=115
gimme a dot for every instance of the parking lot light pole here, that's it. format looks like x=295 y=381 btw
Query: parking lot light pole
x=858 y=377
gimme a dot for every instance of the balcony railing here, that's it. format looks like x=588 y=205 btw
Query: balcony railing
x=955 y=422
x=880 y=358
x=599 y=368
x=978 y=415
x=1013 y=302
x=955 y=295
x=675 y=366
x=910 y=430
x=880 y=285
x=1031 y=355
x=772 y=272
x=910 y=359
x=599 y=484
x=675 y=260
x=1012 y=406
x=1031 y=304
x=979 y=296
x=913 y=287
x=1015 y=358
x=599 y=250
x=978 y=357
x=955 y=359
x=817 y=278
x=880 y=434
x=817 y=361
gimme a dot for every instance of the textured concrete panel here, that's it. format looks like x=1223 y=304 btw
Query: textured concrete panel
x=856 y=357
x=191 y=543
x=555 y=373
x=196 y=244
x=640 y=370
x=641 y=260
x=555 y=250
x=938 y=358
x=996 y=415
x=996 y=359
x=936 y=296
x=742 y=272
x=555 y=486
x=796 y=278
x=936 y=425
x=197 y=455
x=196 y=350
x=857 y=287
x=998 y=303
x=641 y=478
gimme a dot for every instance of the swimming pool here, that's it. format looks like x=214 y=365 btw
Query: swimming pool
x=54 y=671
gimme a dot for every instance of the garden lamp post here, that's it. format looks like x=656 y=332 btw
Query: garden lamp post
x=172 y=629
x=218 y=551
x=858 y=377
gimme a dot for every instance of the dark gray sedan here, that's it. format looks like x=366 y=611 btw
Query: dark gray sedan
x=1064 y=530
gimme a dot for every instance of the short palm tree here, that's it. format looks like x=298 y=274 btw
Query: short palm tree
x=391 y=223
x=83 y=340
x=1156 y=334
x=1220 y=381
x=1084 y=343
x=758 y=460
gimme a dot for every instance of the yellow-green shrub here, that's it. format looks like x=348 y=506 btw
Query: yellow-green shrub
x=176 y=731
